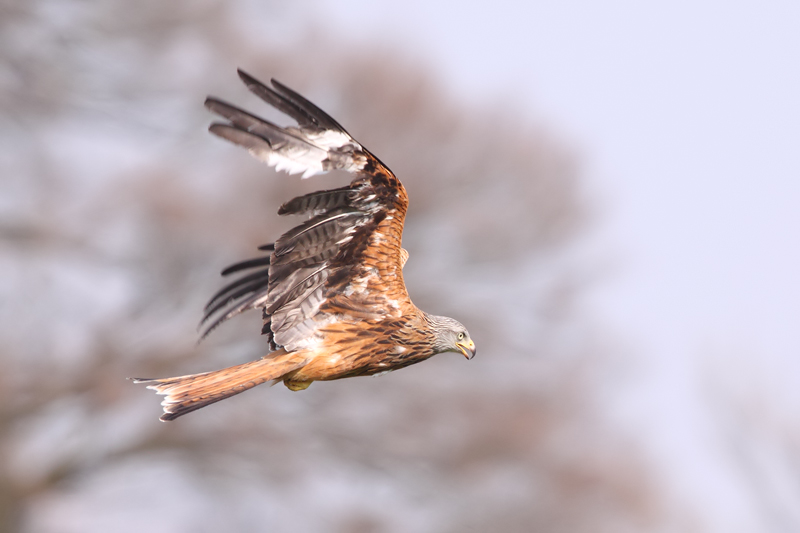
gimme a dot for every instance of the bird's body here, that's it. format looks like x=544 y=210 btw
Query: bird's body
x=331 y=289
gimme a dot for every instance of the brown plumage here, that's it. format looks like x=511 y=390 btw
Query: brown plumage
x=331 y=289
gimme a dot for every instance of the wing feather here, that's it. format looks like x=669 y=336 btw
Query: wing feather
x=229 y=292
x=325 y=224
x=281 y=150
x=291 y=103
x=346 y=258
x=317 y=201
x=254 y=300
x=247 y=265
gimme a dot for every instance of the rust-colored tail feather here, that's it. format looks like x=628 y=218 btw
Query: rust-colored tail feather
x=184 y=394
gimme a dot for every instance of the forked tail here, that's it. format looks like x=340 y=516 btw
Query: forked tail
x=184 y=394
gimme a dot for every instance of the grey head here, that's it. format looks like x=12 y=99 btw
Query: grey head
x=451 y=336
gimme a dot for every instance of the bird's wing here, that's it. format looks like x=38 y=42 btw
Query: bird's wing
x=346 y=258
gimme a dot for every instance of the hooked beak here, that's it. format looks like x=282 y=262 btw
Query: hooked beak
x=467 y=348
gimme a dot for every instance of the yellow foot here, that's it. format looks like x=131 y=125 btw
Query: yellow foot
x=297 y=385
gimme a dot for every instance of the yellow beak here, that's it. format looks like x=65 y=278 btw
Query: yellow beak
x=467 y=348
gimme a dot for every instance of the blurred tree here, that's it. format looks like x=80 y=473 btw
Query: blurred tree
x=760 y=435
x=116 y=211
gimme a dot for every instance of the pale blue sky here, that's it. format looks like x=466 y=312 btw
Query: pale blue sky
x=688 y=117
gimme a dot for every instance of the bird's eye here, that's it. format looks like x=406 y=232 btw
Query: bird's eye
x=460 y=336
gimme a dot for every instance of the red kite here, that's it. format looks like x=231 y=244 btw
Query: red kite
x=331 y=289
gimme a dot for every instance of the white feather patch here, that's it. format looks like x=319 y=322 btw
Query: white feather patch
x=330 y=139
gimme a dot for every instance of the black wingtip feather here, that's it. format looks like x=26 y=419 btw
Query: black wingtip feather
x=244 y=265
x=242 y=306
x=321 y=118
x=256 y=280
x=290 y=102
x=223 y=300
x=228 y=132
x=247 y=78
x=278 y=101
x=258 y=146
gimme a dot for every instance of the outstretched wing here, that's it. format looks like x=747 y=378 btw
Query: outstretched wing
x=346 y=259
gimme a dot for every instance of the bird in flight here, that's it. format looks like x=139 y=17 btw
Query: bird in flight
x=331 y=289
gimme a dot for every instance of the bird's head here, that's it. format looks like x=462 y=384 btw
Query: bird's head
x=451 y=336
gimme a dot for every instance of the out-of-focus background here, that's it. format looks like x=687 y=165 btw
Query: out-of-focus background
x=607 y=195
